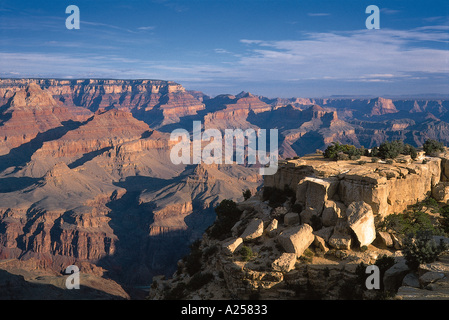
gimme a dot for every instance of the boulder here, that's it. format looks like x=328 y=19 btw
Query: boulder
x=430 y=277
x=314 y=192
x=285 y=263
x=324 y=233
x=361 y=221
x=253 y=230
x=394 y=276
x=271 y=229
x=296 y=239
x=307 y=214
x=291 y=218
x=231 y=245
x=397 y=242
x=383 y=239
x=329 y=217
x=411 y=280
x=320 y=244
x=331 y=212
x=340 y=241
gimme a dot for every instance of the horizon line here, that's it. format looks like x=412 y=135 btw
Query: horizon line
x=332 y=96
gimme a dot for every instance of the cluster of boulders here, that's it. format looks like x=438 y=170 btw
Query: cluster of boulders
x=316 y=238
x=334 y=226
x=280 y=239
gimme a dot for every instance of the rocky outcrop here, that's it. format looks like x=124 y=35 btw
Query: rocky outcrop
x=387 y=188
x=294 y=262
x=318 y=251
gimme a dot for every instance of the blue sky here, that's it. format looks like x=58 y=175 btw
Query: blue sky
x=275 y=48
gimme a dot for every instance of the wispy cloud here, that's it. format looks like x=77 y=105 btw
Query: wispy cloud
x=147 y=28
x=105 y=26
x=319 y=14
x=389 y=11
x=373 y=57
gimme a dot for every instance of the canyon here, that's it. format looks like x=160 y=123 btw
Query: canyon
x=86 y=176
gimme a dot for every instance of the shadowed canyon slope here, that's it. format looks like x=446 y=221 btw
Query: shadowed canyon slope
x=86 y=175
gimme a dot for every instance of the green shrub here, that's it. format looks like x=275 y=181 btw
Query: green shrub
x=337 y=151
x=209 y=251
x=246 y=253
x=444 y=219
x=384 y=263
x=277 y=197
x=390 y=150
x=430 y=146
x=307 y=256
x=227 y=215
x=421 y=248
x=411 y=151
x=193 y=260
x=246 y=194
x=415 y=218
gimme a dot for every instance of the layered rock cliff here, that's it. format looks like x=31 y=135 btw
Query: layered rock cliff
x=98 y=189
x=86 y=175
x=146 y=99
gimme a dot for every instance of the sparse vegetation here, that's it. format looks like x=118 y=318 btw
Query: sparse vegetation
x=416 y=219
x=430 y=146
x=392 y=149
x=246 y=253
x=227 y=215
x=193 y=260
x=277 y=197
x=247 y=194
x=444 y=219
x=386 y=150
x=422 y=248
x=307 y=256
x=337 y=151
